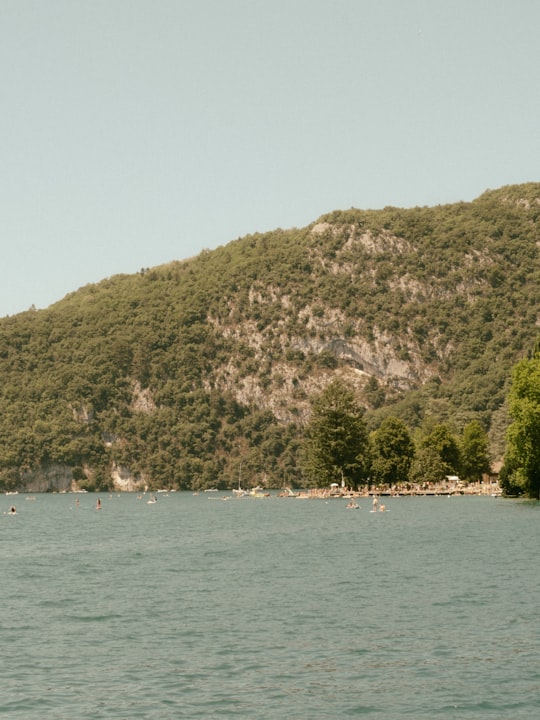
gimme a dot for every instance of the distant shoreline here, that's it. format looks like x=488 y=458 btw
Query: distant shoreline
x=405 y=490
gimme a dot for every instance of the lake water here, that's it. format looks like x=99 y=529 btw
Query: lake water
x=269 y=608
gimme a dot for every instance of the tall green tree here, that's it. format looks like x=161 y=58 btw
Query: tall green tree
x=444 y=443
x=474 y=452
x=392 y=452
x=521 y=471
x=336 y=444
x=427 y=466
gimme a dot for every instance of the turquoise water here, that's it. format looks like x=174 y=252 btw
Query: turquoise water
x=269 y=608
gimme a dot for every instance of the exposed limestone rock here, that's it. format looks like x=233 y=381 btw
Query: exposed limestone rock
x=382 y=243
x=124 y=480
x=521 y=202
x=83 y=414
x=320 y=228
x=141 y=400
x=48 y=478
x=59 y=478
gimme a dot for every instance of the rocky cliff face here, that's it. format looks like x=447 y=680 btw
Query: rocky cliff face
x=59 y=478
x=125 y=481
x=49 y=478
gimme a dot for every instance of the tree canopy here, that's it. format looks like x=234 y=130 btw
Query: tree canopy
x=474 y=452
x=392 y=452
x=336 y=445
x=521 y=471
x=444 y=443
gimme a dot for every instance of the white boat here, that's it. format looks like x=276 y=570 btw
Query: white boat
x=258 y=492
x=240 y=492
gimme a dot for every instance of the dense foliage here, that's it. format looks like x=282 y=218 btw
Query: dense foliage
x=336 y=448
x=392 y=452
x=180 y=373
x=474 y=452
x=521 y=472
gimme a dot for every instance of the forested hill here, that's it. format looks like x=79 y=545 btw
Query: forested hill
x=179 y=374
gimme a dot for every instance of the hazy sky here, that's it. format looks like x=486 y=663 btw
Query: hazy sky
x=135 y=132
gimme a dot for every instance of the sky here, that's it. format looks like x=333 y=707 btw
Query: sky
x=137 y=132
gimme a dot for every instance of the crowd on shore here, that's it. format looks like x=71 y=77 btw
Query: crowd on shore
x=445 y=487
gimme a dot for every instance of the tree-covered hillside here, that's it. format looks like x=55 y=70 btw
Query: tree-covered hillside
x=181 y=374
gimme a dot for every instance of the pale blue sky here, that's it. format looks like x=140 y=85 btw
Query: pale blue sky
x=135 y=132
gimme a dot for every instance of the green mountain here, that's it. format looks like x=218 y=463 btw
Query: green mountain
x=186 y=374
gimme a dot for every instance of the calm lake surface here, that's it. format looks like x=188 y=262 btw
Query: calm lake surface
x=269 y=608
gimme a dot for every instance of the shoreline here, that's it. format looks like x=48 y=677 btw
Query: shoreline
x=405 y=490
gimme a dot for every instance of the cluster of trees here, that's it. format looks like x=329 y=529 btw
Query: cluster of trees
x=520 y=474
x=339 y=448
